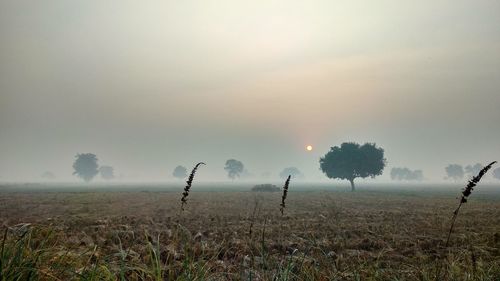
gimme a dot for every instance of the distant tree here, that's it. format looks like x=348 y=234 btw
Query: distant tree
x=496 y=173
x=454 y=172
x=417 y=175
x=107 y=172
x=292 y=171
x=85 y=166
x=180 y=172
x=351 y=160
x=406 y=174
x=48 y=176
x=399 y=173
x=472 y=170
x=234 y=168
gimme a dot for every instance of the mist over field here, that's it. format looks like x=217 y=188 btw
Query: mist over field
x=259 y=140
x=149 y=86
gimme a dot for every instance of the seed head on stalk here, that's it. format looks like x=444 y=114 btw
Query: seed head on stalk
x=188 y=186
x=283 y=197
x=465 y=195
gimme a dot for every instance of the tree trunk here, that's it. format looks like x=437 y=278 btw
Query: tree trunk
x=352 y=185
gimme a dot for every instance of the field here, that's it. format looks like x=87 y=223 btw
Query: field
x=138 y=233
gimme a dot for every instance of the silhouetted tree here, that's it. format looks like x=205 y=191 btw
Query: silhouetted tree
x=85 y=166
x=107 y=172
x=472 y=170
x=406 y=174
x=496 y=173
x=350 y=161
x=234 y=168
x=292 y=171
x=180 y=172
x=454 y=171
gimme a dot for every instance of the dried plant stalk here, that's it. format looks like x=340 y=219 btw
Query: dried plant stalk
x=188 y=186
x=285 y=192
x=465 y=195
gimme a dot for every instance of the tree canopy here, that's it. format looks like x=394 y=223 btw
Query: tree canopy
x=405 y=174
x=234 y=168
x=180 y=172
x=107 y=172
x=85 y=166
x=473 y=170
x=292 y=171
x=454 y=171
x=351 y=160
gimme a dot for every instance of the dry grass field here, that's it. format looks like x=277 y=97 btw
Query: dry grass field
x=323 y=235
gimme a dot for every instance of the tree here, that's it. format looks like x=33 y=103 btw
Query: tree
x=107 y=172
x=473 y=170
x=180 y=172
x=406 y=174
x=351 y=160
x=292 y=171
x=454 y=171
x=496 y=173
x=234 y=168
x=399 y=173
x=85 y=166
x=416 y=175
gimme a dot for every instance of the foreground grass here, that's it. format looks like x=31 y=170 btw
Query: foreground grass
x=242 y=236
x=34 y=253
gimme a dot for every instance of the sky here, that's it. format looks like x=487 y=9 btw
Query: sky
x=149 y=85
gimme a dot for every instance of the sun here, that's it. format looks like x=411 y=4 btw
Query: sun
x=309 y=148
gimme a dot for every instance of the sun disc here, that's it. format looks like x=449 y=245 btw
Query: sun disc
x=309 y=148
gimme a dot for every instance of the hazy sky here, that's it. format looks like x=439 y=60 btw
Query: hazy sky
x=148 y=85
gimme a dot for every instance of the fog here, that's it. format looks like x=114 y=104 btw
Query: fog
x=147 y=86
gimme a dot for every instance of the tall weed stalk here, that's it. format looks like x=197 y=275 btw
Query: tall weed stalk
x=188 y=186
x=283 y=197
x=465 y=195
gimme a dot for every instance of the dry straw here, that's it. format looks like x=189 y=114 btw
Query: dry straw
x=465 y=195
x=283 y=197
x=188 y=186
